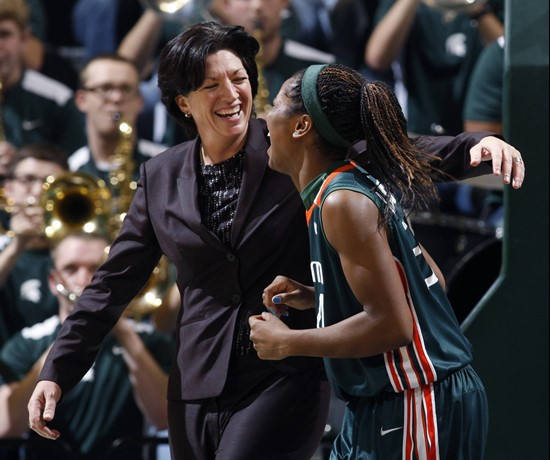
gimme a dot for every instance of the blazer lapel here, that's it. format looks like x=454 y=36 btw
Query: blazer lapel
x=188 y=196
x=255 y=164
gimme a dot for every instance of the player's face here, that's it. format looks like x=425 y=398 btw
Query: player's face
x=283 y=151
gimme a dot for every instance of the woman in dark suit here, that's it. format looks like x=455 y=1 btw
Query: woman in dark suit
x=229 y=224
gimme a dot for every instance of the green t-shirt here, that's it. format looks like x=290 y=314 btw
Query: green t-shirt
x=437 y=61
x=25 y=298
x=101 y=407
x=39 y=108
x=484 y=96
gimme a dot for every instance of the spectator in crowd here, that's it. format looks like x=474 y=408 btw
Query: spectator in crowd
x=123 y=391
x=109 y=95
x=437 y=52
x=25 y=261
x=34 y=107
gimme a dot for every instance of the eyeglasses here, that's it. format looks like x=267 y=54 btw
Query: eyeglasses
x=107 y=91
x=29 y=180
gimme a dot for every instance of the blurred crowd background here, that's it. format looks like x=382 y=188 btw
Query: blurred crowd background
x=79 y=103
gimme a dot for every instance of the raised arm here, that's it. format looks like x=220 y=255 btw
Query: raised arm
x=141 y=41
x=390 y=34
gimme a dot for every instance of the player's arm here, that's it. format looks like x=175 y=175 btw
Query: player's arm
x=350 y=223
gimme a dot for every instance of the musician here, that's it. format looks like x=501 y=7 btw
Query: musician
x=24 y=258
x=34 y=107
x=109 y=94
x=124 y=389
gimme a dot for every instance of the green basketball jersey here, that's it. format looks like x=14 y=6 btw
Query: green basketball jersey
x=438 y=346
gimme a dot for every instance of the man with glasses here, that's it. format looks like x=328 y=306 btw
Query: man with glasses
x=108 y=94
x=24 y=258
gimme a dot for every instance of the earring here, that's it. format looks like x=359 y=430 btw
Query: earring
x=187 y=115
x=295 y=134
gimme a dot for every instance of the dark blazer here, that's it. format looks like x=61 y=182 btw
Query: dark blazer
x=218 y=283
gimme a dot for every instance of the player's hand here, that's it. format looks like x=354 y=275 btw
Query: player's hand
x=284 y=292
x=267 y=333
x=42 y=406
x=507 y=160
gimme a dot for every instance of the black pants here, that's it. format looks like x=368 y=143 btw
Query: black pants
x=262 y=414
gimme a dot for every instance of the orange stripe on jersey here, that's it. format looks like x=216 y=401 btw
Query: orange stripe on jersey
x=417 y=342
x=431 y=422
x=420 y=425
x=328 y=180
x=394 y=378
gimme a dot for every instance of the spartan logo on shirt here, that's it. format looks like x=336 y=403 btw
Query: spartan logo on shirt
x=317 y=276
x=30 y=290
x=455 y=45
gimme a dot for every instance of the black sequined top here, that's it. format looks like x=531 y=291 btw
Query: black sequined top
x=219 y=187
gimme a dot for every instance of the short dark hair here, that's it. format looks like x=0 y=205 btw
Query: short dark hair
x=183 y=60
x=359 y=109
x=44 y=151
x=104 y=57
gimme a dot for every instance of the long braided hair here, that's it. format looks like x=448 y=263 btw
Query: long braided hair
x=361 y=110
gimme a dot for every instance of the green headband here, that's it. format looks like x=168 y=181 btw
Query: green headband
x=313 y=107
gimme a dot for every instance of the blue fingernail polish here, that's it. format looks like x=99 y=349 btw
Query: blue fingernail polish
x=276 y=299
x=285 y=313
x=273 y=312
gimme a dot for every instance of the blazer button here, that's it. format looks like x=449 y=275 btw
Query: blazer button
x=236 y=298
x=231 y=257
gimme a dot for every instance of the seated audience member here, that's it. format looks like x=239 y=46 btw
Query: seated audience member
x=34 y=107
x=24 y=258
x=123 y=391
x=108 y=96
